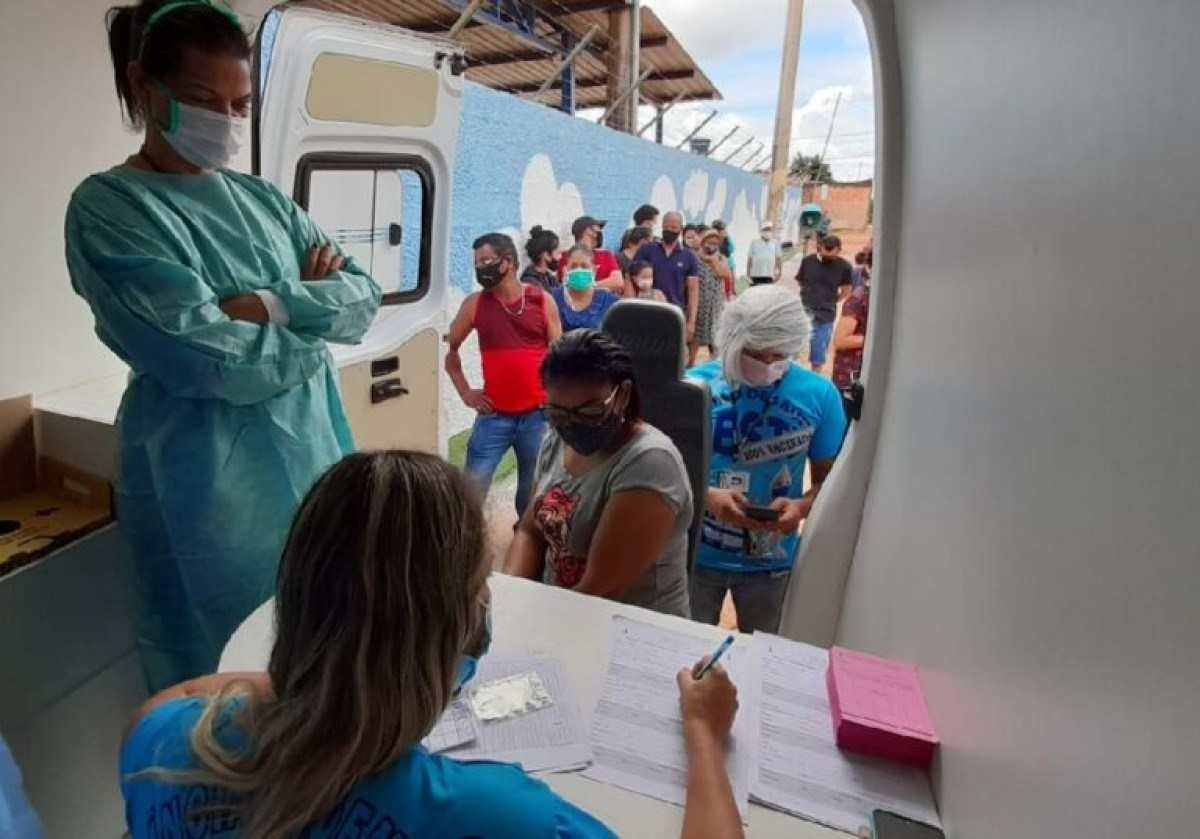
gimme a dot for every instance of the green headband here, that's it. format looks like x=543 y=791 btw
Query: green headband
x=179 y=4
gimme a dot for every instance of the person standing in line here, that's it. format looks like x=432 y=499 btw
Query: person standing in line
x=714 y=276
x=641 y=276
x=770 y=416
x=220 y=293
x=764 y=263
x=850 y=336
x=825 y=280
x=646 y=216
x=544 y=255
x=633 y=239
x=676 y=270
x=580 y=304
x=515 y=323
x=726 y=245
x=590 y=232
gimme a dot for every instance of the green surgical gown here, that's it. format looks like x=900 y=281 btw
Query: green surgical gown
x=224 y=424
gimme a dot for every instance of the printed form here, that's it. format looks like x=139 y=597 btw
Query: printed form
x=550 y=739
x=637 y=731
x=799 y=768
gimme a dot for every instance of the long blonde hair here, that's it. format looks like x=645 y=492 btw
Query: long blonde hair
x=378 y=598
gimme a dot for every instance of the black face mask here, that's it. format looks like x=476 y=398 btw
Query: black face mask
x=589 y=439
x=670 y=237
x=710 y=249
x=489 y=276
x=552 y=264
x=599 y=240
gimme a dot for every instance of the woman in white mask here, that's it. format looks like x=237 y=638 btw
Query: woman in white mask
x=770 y=416
x=219 y=293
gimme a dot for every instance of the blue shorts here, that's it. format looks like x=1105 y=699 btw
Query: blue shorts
x=818 y=345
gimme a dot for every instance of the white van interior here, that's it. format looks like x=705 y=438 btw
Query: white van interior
x=1012 y=512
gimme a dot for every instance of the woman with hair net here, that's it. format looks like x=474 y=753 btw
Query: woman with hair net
x=769 y=416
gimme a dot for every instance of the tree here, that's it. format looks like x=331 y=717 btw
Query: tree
x=811 y=168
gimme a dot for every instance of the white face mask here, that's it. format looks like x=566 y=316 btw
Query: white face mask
x=760 y=374
x=645 y=284
x=204 y=138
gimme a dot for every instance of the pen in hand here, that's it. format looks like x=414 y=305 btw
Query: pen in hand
x=715 y=657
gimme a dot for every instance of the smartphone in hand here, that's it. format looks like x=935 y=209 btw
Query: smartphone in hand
x=762 y=513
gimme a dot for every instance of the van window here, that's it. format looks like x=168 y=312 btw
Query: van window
x=378 y=210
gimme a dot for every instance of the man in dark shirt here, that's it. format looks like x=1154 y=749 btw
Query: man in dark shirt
x=825 y=279
x=676 y=269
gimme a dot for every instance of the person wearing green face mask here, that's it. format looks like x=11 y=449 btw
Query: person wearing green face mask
x=581 y=304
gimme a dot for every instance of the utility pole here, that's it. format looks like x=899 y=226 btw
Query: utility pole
x=783 y=109
x=829 y=134
x=635 y=59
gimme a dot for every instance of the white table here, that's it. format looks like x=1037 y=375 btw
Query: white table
x=532 y=618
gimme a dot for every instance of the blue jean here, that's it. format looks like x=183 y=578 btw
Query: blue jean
x=492 y=436
x=818 y=345
x=757 y=596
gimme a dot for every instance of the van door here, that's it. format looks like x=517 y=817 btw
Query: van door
x=358 y=122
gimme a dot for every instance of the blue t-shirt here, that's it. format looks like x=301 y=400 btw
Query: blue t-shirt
x=671 y=270
x=419 y=795
x=589 y=318
x=761 y=440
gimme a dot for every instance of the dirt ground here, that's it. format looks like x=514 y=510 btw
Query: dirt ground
x=500 y=503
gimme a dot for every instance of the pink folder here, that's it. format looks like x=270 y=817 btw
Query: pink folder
x=878 y=707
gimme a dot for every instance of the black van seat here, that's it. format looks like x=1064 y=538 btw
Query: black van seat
x=654 y=335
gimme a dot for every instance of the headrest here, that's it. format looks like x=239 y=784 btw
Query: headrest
x=654 y=334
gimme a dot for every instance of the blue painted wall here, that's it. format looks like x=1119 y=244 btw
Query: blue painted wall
x=520 y=163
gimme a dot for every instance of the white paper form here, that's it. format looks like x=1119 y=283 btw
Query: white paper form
x=637 y=731
x=457 y=727
x=799 y=768
x=550 y=739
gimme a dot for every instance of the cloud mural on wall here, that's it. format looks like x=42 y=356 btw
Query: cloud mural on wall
x=695 y=194
x=743 y=226
x=662 y=195
x=716 y=204
x=546 y=202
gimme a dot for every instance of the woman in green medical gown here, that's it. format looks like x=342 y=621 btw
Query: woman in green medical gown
x=220 y=294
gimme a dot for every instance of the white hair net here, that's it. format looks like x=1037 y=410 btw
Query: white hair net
x=763 y=317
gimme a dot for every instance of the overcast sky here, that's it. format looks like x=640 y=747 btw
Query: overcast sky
x=738 y=44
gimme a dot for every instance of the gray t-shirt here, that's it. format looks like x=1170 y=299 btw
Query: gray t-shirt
x=567 y=511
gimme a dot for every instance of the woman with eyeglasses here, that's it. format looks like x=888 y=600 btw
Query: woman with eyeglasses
x=612 y=503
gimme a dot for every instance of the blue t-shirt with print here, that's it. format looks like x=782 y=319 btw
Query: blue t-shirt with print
x=762 y=438
x=421 y=794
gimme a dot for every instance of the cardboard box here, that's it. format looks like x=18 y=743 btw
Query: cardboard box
x=878 y=707
x=43 y=504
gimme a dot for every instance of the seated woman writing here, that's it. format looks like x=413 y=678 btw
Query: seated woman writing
x=372 y=640
x=612 y=503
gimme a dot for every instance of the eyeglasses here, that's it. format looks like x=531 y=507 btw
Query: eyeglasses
x=589 y=413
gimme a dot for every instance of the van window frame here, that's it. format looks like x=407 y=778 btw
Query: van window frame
x=327 y=161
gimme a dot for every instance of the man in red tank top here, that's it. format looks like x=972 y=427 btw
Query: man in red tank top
x=515 y=324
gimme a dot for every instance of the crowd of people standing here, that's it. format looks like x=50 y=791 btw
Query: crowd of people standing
x=605 y=481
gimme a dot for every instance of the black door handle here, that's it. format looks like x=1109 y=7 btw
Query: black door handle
x=387 y=389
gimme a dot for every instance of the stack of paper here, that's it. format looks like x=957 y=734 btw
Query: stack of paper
x=798 y=768
x=637 y=731
x=550 y=739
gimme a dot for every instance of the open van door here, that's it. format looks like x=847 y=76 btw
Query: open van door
x=358 y=122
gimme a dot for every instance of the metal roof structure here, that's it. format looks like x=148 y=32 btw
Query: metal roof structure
x=515 y=45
